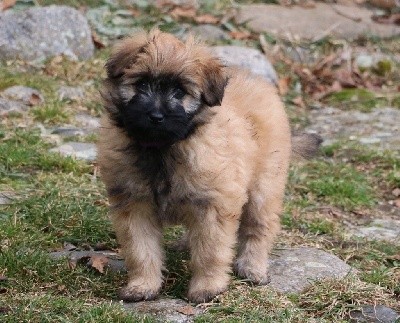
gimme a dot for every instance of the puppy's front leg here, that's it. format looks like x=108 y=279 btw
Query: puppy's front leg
x=140 y=234
x=212 y=237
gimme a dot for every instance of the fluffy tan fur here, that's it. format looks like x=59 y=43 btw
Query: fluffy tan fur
x=228 y=178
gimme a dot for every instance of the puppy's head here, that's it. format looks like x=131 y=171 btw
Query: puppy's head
x=159 y=89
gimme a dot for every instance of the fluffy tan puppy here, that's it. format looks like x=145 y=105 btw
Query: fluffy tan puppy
x=187 y=140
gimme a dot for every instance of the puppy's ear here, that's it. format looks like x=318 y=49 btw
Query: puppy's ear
x=124 y=55
x=214 y=82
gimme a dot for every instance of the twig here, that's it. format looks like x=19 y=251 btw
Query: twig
x=325 y=33
x=343 y=14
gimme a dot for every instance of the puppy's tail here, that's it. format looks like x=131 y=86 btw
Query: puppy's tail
x=305 y=145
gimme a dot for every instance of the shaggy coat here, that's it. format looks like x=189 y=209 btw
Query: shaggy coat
x=217 y=162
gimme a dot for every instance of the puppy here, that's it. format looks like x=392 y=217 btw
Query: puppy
x=187 y=140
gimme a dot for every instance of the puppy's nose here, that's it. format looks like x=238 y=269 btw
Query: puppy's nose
x=156 y=117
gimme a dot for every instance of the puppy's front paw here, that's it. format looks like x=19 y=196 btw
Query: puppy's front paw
x=134 y=292
x=256 y=274
x=204 y=290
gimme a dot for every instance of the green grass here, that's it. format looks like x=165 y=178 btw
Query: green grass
x=51 y=113
x=360 y=99
x=333 y=300
x=52 y=308
x=333 y=183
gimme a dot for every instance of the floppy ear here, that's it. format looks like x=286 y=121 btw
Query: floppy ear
x=214 y=82
x=124 y=54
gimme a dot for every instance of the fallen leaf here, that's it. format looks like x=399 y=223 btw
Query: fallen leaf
x=135 y=12
x=6 y=4
x=98 y=262
x=97 y=41
x=72 y=264
x=240 y=35
x=397 y=202
x=206 y=19
x=387 y=19
x=396 y=192
x=3 y=278
x=283 y=85
x=307 y=4
x=180 y=12
x=4 y=309
x=384 y=4
x=298 y=100
x=187 y=310
x=34 y=99
x=61 y=287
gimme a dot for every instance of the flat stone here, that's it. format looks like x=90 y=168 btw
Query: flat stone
x=23 y=94
x=69 y=132
x=87 y=121
x=79 y=150
x=11 y=106
x=314 y=23
x=209 y=33
x=375 y=314
x=166 y=310
x=249 y=58
x=42 y=32
x=7 y=198
x=381 y=229
x=70 y=93
x=380 y=127
x=294 y=269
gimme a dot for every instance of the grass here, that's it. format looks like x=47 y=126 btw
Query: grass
x=61 y=200
x=333 y=183
x=360 y=99
x=333 y=300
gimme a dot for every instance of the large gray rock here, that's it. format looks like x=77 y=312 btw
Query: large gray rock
x=39 y=33
x=315 y=23
x=249 y=58
x=380 y=127
x=295 y=269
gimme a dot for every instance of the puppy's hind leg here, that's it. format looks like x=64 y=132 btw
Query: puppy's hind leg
x=140 y=234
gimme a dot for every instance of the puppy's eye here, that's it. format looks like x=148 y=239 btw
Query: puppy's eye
x=179 y=93
x=142 y=86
